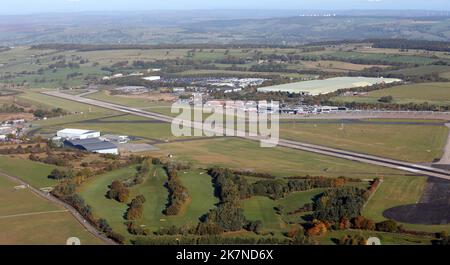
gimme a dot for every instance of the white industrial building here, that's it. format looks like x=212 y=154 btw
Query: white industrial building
x=152 y=78
x=72 y=134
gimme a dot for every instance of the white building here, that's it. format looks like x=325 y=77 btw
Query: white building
x=152 y=78
x=77 y=134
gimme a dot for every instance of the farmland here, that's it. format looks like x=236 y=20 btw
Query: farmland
x=317 y=87
x=35 y=220
x=433 y=93
x=389 y=58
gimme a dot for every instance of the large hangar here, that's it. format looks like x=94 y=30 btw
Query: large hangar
x=77 y=134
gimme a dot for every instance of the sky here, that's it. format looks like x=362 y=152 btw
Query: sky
x=8 y=7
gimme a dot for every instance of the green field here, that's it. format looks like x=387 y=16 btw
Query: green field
x=433 y=93
x=390 y=58
x=386 y=238
x=396 y=191
x=26 y=219
x=198 y=184
x=262 y=209
x=421 y=70
x=34 y=173
x=40 y=100
x=140 y=103
x=415 y=143
x=245 y=154
x=329 y=85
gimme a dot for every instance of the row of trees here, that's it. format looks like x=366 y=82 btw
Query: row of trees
x=229 y=188
x=178 y=194
x=29 y=149
x=11 y=108
x=136 y=208
x=337 y=203
x=269 y=186
x=118 y=191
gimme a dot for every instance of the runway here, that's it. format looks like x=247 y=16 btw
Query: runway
x=354 y=156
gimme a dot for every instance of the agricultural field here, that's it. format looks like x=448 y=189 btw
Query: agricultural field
x=317 y=87
x=432 y=93
x=27 y=219
x=403 y=141
x=206 y=72
x=336 y=66
x=421 y=70
x=390 y=58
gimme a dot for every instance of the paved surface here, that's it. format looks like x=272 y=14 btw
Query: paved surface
x=432 y=209
x=91 y=229
x=400 y=165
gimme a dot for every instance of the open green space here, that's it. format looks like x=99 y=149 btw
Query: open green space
x=263 y=209
x=415 y=143
x=397 y=191
x=135 y=102
x=245 y=154
x=26 y=219
x=433 y=93
x=390 y=58
x=49 y=102
x=198 y=183
x=34 y=173
x=332 y=237
x=421 y=70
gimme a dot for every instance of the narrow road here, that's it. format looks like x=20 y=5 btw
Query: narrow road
x=354 y=156
x=90 y=228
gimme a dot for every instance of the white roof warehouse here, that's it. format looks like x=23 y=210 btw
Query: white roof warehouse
x=77 y=134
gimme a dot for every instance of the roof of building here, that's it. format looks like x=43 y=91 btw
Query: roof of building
x=92 y=144
x=75 y=131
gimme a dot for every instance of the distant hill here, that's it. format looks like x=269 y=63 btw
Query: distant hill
x=289 y=27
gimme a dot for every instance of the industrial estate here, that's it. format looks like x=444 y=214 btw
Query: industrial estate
x=87 y=150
